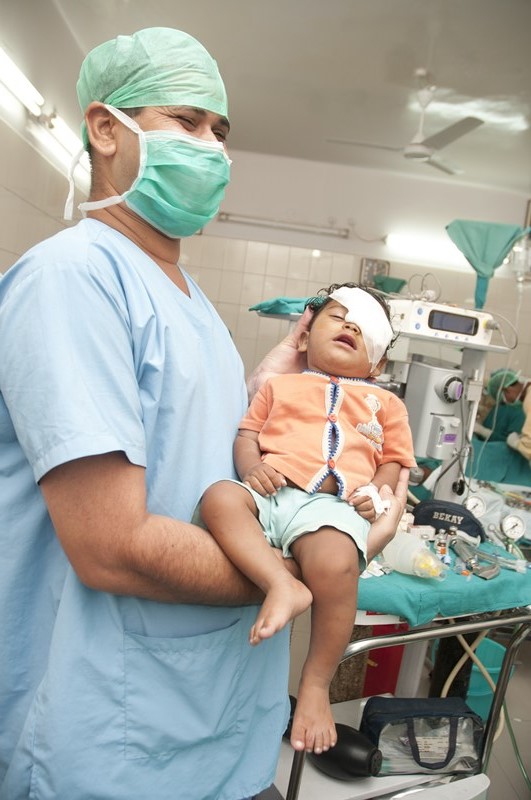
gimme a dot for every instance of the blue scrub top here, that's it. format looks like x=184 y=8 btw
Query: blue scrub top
x=104 y=696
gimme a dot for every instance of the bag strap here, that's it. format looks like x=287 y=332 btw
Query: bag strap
x=452 y=739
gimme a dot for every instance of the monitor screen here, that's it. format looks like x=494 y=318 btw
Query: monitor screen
x=454 y=323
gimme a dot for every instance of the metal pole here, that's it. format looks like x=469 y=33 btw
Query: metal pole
x=501 y=686
x=295 y=775
x=438 y=631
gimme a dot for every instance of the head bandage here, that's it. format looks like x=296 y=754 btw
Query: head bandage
x=368 y=314
x=153 y=67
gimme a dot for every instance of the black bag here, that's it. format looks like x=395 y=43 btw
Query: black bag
x=443 y=513
x=423 y=734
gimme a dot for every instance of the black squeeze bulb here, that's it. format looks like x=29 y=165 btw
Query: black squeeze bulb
x=354 y=756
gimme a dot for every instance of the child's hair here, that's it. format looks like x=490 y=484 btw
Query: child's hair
x=322 y=299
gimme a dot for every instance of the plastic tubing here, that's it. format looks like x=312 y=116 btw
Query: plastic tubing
x=469 y=653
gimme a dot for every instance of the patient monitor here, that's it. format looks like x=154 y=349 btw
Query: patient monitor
x=441 y=322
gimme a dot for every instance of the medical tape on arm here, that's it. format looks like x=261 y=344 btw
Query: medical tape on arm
x=380 y=506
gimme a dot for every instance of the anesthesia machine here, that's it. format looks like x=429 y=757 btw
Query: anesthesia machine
x=437 y=366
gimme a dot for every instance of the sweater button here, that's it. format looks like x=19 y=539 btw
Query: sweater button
x=331 y=463
x=332 y=418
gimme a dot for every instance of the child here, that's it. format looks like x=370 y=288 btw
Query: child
x=307 y=446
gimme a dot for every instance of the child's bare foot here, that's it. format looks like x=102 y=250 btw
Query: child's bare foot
x=284 y=601
x=313 y=727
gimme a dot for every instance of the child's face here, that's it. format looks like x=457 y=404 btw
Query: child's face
x=335 y=346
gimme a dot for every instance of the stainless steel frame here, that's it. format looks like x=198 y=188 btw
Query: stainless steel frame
x=518 y=619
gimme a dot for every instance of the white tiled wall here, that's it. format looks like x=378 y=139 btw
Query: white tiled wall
x=236 y=274
x=32 y=195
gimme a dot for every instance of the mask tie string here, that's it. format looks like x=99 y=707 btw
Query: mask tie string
x=69 y=204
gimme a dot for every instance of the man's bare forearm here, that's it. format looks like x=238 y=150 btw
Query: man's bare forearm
x=98 y=508
x=176 y=562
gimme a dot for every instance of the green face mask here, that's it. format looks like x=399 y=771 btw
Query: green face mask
x=180 y=183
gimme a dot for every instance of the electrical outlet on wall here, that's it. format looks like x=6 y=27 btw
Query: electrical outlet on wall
x=369 y=267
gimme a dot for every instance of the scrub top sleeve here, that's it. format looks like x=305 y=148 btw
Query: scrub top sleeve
x=67 y=368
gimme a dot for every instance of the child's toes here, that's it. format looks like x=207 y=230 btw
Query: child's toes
x=298 y=738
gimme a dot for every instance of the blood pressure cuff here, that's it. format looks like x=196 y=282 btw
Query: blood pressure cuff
x=443 y=514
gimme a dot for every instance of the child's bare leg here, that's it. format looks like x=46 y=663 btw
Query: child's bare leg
x=329 y=563
x=382 y=531
x=229 y=513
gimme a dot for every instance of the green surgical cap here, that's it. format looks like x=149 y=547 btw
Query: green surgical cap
x=501 y=379
x=153 y=67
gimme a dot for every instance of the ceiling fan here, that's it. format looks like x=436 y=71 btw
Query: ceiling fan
x=422 y=148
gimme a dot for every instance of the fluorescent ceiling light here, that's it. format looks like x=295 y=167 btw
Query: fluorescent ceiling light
x=62 y=133
x=11 y=105
x=22 y=106
x=300 y=227
x=494 y=110
x=65 y=135
x=425 y=249
x=17 y=83
x=41 y=135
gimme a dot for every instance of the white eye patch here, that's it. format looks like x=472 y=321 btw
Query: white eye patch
x=370 y=317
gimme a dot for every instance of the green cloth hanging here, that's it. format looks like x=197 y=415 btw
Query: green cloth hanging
x=484 y=245
x=385 y=283
x=281 y=305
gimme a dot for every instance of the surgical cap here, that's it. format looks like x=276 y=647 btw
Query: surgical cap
x=501 y=379
x=153 y=67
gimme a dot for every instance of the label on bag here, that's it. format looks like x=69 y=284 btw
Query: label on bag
x=430 y=747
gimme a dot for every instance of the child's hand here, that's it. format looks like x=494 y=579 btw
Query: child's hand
x=363 y=505
x=264 y=479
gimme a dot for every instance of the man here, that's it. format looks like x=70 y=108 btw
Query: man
x=505 y=384
x=125 y=671
x=121 y=392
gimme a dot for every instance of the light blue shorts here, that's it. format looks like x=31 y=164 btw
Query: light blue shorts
x=291 y=512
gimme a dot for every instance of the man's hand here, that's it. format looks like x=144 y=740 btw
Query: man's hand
x=98 y=506
x=284 y=358
x=386 y=526
x=399 y=500
x=264 y=479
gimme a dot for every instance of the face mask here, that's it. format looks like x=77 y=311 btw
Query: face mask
x=516 y=402
x=180 y=183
